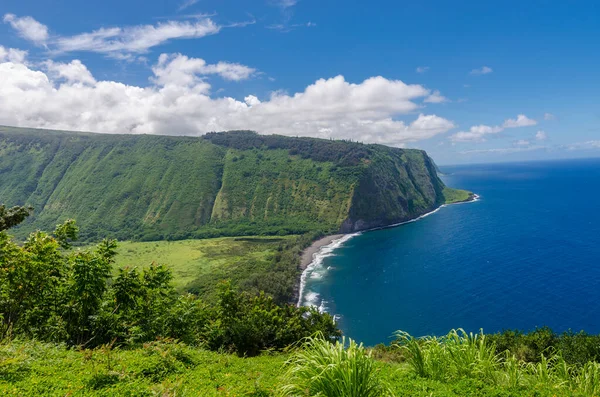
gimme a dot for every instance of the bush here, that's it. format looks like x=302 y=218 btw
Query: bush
x=52 y=293
x=322 y=368
x=459 y=355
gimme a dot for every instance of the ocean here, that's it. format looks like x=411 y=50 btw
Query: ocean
x=525 y=255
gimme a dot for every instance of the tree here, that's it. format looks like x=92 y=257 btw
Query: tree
x=13 y=216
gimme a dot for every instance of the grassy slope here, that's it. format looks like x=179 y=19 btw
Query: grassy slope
x=456 y=195
x=167 y=187
x=198 y=265
x=35 y=369
x=272 y=187
x=121 y=186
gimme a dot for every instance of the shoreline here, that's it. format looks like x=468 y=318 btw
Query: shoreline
x=308 y=255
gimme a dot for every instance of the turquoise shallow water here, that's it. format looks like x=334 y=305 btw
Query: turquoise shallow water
x=527 y=254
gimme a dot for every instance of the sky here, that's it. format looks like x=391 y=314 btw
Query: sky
x=468 y=81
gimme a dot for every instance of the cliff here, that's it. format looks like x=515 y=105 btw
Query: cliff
x=232 y=183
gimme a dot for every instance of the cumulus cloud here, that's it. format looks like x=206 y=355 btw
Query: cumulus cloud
x=436 y=97
x=178 y=101
x=119 y=42
x=549 y=116
x=422 y=69
x=481 y=71
x=478 y=133
x=520 y=121
x=541 y=136
x=73 y=72
x=28 y=28
x=179 y=70
x=12 y=55
x=475 y=134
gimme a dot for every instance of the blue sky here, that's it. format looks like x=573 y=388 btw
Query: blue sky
x=468 y=81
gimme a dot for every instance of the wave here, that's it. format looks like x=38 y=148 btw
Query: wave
x=476 y=197
x=316 y=270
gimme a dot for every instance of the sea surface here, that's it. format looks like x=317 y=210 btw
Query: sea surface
x=525 y=255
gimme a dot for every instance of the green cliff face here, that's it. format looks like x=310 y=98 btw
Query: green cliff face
x=158 y=187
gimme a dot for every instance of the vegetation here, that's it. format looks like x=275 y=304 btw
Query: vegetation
x=460 y=355
x=458 y=364
x=456 y=195
x=396 y=187
x=149 y=188
x=30 y=368
x=252 y=264
x=322 y=368
x=50 y=292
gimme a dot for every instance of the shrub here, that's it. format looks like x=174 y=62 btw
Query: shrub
x=50 y=292
x=322 y=368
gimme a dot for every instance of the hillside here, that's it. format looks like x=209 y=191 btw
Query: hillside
x=236 y=183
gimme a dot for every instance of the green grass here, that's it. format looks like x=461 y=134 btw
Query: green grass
x=36 y=369
x=456 y=195
x=333 y=370
x=167 y=369
x=198 y=265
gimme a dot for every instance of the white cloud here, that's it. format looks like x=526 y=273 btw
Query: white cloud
x=541 y=136
x=549 y=116
x=478 y=133
x=583 y=145
x=422 y=69
x=118 y=42
x=285 y=27
x=436 y=97
x=284 y=3
x=481 y=71
x=73 y=72
x=520 y=121
x=28 y=28
x=12 y=55
x=475 y=133
x=179 y=102
x=187 y=3
x=179 y=70
x=505 y=150
x=135 y=39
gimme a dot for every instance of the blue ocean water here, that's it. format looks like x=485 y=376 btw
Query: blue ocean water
x=527 y=254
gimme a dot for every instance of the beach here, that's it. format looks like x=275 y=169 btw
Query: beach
x=308 y=253
x=307 y=258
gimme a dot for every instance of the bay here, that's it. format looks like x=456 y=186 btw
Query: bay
x=527 y=254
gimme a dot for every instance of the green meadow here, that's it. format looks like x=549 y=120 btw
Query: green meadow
x=198 y=265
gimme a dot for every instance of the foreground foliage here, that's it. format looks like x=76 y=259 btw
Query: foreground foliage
x=168 y=368
x=322 y=368
x=461 y=355
x=51 y=292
